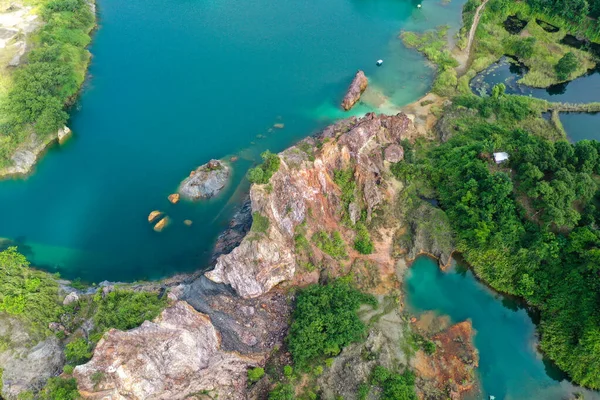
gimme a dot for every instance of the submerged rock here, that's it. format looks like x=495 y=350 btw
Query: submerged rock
x=188 y=222
x=162 y=224
x=154 y=215
x=358 y=85
x=206 y=181
x=175 y=356
x=63 y=134
x=174 y=198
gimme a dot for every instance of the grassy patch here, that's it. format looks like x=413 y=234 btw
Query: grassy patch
x=332 y=244
x=260 y=223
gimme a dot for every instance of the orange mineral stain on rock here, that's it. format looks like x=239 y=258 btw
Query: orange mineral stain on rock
x=162 y=224
x=154 y=215
x=174 y=198
x=451 y=368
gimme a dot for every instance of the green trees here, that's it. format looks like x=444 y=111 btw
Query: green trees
x=125 y=309
x=394 y=386
x=54 y=73
x=528 y=227
x=362 y=242
x=325 y=321
x=524 y=48
x=263 y=173
x=60 y=389
x=255 y=374
x=282 y=391
x=78 y=351
x=24 y=292
x=566 y=66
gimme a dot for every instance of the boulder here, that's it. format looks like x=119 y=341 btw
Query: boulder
x=71 y=298
x=394 y=153
x=357 y=87
x=63 y=134
x=174 y=357
x=26 y=363
x=162 y=224
x=206 y=182
x=153 y=216
x=174 y=198
x=279 y=126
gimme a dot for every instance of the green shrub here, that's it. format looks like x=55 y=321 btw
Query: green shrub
x=60 y=389
x=362 y=242
x=394 y=386
x=263 y=173
x=260 y=223
x=566 y=66
x=288 y=371
x=29 y=294
x=78 y=351
x=125 y=309
x=255 y=374
x=325 y=320
x=282 y=392
x=68 y=369
x=333 y=245
x=363 y=391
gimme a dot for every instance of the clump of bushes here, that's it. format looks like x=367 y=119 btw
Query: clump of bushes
x=325 y=321
x=394 y=386
x=263 y=173
x=362 y=242
x=255 y=374
x=78 y=351
x=333 y=245
x=26 y=293
x=59 y=389
x=283 y=391
x=125 y=309
x=260 y=223
x=566 y=66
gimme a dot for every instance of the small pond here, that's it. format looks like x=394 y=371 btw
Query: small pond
x=510 y=367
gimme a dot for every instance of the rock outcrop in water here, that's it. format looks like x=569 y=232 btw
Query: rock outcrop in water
x=175 y=356
x=305 y=182
x=355 y=90
x=206 y=181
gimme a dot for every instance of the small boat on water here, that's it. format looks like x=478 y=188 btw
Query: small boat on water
x=379 y=62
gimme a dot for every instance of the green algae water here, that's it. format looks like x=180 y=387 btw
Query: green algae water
x=510 y=367
x=175 y=83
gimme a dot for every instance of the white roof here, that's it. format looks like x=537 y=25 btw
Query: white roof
x=500 y=157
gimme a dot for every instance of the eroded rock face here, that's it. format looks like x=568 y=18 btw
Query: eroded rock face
x=305 y=182
x=26 y=364
x=176 y=355
x=206 y=181
x=394 y=153
x=356 y=88
x=450 y=369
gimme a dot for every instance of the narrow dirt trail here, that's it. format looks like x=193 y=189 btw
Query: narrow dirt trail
x=464 y=56
x=474 y=26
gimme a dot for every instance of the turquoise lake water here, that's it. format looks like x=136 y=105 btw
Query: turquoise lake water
x=176 y=83
x=510 y=368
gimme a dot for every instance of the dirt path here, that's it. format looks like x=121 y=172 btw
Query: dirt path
x=463 y=58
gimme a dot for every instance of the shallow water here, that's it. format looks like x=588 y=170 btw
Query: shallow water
x=509 y=366
x=176 y=83
x=584 y=89
x=581 y=126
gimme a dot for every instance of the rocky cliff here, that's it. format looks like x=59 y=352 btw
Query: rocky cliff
x=305 y=185
x=236 y=316
x=175 y=356
x=357 y=87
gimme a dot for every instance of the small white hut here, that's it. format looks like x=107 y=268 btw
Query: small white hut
x=500 y=157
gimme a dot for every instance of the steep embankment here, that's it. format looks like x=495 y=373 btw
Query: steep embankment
x=307 y=222
x=43 y=61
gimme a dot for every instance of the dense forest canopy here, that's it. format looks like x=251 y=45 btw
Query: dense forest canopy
x=529 y=226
